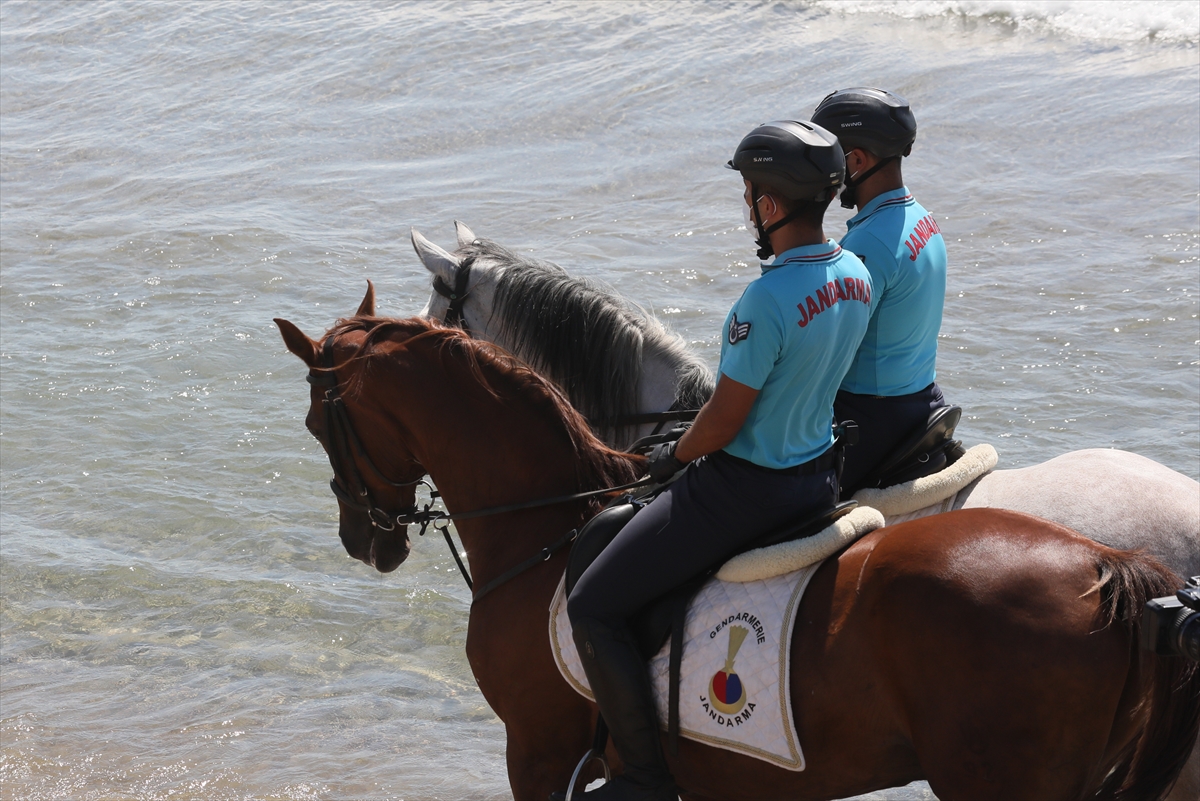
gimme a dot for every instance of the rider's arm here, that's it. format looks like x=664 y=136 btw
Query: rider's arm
x=719 y=420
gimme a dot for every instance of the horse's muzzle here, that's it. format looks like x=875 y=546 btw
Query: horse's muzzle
x=383 y=550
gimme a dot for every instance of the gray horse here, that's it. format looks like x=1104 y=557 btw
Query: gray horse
x=614 y=361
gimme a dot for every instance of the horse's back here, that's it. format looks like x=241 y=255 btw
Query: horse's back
x=1116 y=498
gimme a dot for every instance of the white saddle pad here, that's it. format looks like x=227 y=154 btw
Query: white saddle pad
x=734 y=691
x=733 y=688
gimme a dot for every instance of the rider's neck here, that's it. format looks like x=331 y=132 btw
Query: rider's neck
x=796 y=234
x=887 y=179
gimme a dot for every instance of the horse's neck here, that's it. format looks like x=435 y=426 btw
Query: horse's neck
x=496 y=542
x=659 y=381
x=485 y=451
x=495 y=547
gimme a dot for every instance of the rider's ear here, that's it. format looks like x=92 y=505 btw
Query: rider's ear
x=436 y=260
x=768 y=207
x=465 y=235
x=297 y=342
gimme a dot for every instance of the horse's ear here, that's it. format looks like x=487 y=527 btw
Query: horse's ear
x=367 y=307
x=297 y=342
x=465 y=235
x=436 y=260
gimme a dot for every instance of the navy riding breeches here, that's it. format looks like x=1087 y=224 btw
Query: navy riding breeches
x=883 y=424
x=717 y=507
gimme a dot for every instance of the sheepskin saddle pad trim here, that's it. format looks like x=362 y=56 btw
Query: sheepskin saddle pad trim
x=786 y=557
x=913 y=496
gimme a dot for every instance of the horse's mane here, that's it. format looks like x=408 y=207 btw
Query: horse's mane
x=502 y=375
x=584 y=337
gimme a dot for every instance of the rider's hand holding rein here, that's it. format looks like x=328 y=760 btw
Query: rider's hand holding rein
x=716 y=425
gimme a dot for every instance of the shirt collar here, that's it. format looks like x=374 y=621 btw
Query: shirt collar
x=891 y=197
x=805 y=254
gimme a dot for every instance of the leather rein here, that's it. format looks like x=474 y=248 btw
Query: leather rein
x=345 y=440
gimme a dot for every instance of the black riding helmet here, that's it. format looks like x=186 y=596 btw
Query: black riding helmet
x=798 y=161
x=873 y=119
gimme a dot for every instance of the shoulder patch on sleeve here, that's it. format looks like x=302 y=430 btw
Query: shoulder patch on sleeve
x=738 y=331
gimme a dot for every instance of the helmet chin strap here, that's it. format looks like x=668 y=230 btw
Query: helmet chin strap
x=765 y=250
x=850 y=193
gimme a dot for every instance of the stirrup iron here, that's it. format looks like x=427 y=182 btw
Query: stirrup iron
x=592 y=754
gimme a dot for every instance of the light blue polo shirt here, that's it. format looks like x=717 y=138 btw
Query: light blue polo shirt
x=792 y=335
x=902 y=247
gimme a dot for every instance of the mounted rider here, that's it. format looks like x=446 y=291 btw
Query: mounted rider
x=761 y=450
x=890 y=389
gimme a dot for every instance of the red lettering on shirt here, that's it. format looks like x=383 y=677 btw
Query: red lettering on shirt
x=923 y=231
x=823 y=300
x=813 y=308
x=830 y=294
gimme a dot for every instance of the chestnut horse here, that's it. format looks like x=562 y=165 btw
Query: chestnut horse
x=991 y=653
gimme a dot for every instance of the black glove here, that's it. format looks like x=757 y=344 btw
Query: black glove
x=662 y=464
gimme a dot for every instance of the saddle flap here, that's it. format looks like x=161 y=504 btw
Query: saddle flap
x=597 y=533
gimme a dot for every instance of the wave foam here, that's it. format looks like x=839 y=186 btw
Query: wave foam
x=1166 y=20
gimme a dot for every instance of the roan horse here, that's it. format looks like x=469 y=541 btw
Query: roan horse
x=993 y=654
x=613 y=360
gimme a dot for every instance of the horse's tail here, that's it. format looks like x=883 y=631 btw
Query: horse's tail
x=1170 y=685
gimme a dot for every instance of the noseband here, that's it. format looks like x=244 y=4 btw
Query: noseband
x=457 y=296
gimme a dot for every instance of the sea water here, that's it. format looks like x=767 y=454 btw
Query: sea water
x=179 y=618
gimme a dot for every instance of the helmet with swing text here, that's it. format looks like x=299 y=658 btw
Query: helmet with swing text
x=798 y=160
x=872 y=119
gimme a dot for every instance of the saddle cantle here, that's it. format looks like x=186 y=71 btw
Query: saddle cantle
x=929 y=448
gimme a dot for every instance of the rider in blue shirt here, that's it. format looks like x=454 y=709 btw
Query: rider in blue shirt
x=760 y=453
x=797 y=338
x=890 y=388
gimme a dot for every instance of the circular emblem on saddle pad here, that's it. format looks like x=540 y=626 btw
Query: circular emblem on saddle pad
x=725 y=690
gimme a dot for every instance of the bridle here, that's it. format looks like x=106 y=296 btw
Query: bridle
x=457 y=296
x=344 y=439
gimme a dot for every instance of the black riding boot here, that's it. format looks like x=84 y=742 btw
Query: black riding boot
x=619 y=680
